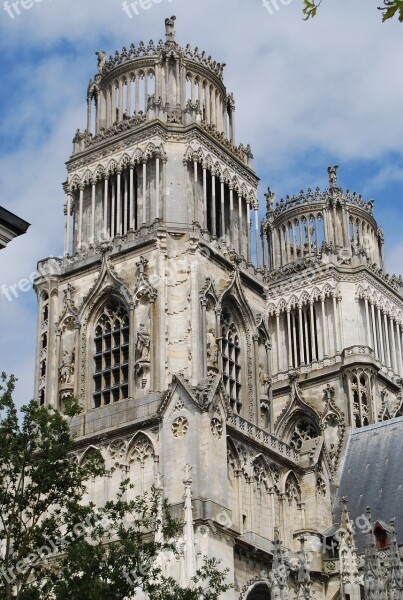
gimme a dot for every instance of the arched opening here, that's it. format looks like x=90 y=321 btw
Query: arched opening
x=231 y=360
x=111 y=354
x=260 y=591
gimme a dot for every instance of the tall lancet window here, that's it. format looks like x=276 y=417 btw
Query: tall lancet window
x=231 y=360
x=111 y=354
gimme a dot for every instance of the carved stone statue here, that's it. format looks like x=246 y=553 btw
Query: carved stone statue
x=170 y=29
x=101 y=60
x=332 y=171
x=264 y=378
x=143 y=343
x=212 y=349
x=66 y=370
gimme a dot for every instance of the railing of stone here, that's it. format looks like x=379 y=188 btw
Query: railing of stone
x=262 y=436
x=317 y=196
x=131 y=53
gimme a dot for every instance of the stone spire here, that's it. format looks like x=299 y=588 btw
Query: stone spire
x=374 y=584
x=304 y=586
x=349 y=576
x=189 y=551
x=395 y=572
x=280 y=572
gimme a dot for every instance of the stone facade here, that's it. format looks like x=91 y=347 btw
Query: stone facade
x=230 y=383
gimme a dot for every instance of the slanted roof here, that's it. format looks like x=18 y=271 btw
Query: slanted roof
x=372 y=476
x=11 y=226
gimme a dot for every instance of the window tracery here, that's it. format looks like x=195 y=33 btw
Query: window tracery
x=111 y=354
x=361 y=400
x=303 y=430
x=231 y=360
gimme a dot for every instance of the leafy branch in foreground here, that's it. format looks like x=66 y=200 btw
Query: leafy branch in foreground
x=54 y=544
x=389 y=9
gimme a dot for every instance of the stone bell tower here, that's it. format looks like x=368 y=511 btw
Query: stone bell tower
x=228 y=383
x=157 y=232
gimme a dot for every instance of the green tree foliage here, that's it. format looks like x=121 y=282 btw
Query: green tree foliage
x=390 y=9
x=54 y=545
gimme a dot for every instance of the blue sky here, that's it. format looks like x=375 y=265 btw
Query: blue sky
x=329 y=91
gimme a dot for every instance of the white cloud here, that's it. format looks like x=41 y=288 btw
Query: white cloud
x=329 y=87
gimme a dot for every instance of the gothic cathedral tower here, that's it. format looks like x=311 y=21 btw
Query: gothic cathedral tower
x=230 y=383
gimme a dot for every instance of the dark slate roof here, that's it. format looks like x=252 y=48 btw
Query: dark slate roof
x=372 y=476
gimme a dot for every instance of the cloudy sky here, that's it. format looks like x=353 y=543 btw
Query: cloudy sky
x=329 y=91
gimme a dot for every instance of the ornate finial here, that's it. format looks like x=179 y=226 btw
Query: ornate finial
x=332 y=171
x=170 y=29
x=187 y=470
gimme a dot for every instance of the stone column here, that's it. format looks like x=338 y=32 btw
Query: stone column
x=369 y=340
x=80 y=218
x=313 y=337
x=337 y=325
x=213 y=205
x=257 y=234
x=106 y=201
x=113 y=109
x=94 y=187
x=325 y=347
x=231 y=217
x=388 y=353
x=113 y=202
x=383 y=355
x=119 y=203
x=204 y=197
x=131 y=196
x=157 y=188
x=240 y=224
x=374 y=329
x=304 y=360
x=120 y=100
x=222 y=209
x=279 y=346
x=89 y=107
x=128 y=96
x=67 y=224
x=248 y=228
x=394 y=354
x=144 y=192
x=125 y=202
x=290 y=359
x=399 y=345
x=137 y=91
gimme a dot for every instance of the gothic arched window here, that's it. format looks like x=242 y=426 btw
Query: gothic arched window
x=231 y=360
x=303 y=430
x=361 y=400
x=111 y=354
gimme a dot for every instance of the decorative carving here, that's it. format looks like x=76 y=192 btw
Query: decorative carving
x=321 y=487
x=216 y=428
x=141 y=450
x=180 y=427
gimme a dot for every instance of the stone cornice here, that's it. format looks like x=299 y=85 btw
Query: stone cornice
x=109 y=147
